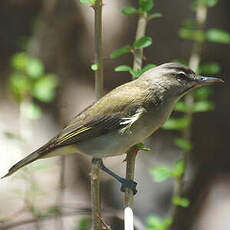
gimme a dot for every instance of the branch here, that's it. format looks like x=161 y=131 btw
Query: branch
x=132 y=153
x=194 y=61
x=95 y=171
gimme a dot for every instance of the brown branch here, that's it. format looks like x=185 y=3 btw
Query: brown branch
x=95 y=171
x=132 y=153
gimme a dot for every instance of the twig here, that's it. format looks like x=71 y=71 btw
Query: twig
x=95 y=172
x=194 y=61
x=137 y=64
x=60 y=193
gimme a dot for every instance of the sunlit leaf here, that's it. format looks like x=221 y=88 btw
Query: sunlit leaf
x=183 y=144
x=155 y=15
x=176 y=123
x=129 y=10
x=124 y=68
x=191 y=34
x=219 y=36
x=180 y=107
x=94 y=67
x=20 y=84
x=156 y=223
x=90 y=2
x=160 y=173
x=34 y=67
x=119 y=52
x=141 y=71
x=207 y=3
x=180 y=201
x=44 y=89
x=19 y=61
x=203 y=106
x=178 y=169
x=142 y=147
x=143 y=42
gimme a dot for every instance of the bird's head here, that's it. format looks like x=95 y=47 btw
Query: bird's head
x=176 y=80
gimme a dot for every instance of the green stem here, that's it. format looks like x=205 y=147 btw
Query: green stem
x=194 y=61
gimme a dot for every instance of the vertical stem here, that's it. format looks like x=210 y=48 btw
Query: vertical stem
x=138 y=53
x=194 y=61
x=99 y=78
x=95 y=171
x=132 y=153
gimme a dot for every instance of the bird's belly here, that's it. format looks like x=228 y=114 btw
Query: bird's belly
x=116 y=143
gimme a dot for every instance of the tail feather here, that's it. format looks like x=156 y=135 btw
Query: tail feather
x=30 y=158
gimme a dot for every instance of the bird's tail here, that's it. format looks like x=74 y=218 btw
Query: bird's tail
x=30 y=158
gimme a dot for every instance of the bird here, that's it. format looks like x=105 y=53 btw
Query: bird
x=122 y=118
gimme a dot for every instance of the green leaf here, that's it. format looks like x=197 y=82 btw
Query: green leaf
x=90 y=2
x=32 y=111
x=44 y=89
x=94 y=67
x=119 y=52
x=180 y=201
x=209 y=68
x=141 y=71
x=143 y=42
x=84 y=224
x=123 y=68
x=156 y=223
x=203 y=106
x=183 y=144
x=176 y=123
x=129 y=10
x=142 y=147
x=181 y=107
x=219 y=36
x=207 y=3
x=160 y=173
x=155 y=15
x=203 y=93
x=191 y=34
x=19 y=61
x=146 y=5
x=178 y=169
x=148 y=67
x=20 y=84
x=34 y=67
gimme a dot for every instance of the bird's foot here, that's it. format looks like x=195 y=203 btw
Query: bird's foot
x=130 y=184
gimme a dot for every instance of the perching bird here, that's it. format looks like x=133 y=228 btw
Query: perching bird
x=122 y=118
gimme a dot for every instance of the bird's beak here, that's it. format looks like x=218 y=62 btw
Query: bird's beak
x=201 y=80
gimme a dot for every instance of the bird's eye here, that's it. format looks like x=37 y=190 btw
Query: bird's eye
x=181 y=76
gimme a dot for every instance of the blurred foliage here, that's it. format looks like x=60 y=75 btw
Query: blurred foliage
x=156 y=223
x=84 y=224
x=29 y=81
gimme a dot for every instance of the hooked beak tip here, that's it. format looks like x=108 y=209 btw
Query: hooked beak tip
x=201 y=80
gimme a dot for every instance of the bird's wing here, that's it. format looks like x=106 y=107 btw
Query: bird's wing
x=98 y=126
x=104 y=116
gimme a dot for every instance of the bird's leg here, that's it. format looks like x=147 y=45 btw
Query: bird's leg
x=124 y=182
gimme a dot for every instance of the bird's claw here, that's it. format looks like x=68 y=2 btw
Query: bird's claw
x=129 y=184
